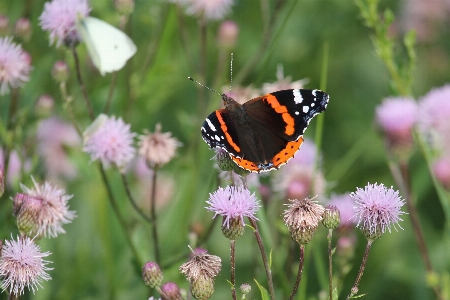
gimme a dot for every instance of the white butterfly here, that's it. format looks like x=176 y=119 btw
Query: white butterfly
x=108 y=47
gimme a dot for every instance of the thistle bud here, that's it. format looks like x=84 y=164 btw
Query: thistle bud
x=152 y=275
x=22 y=29
x=171 y=291
x=245 y=288
x=60 y=71
x=331 y=217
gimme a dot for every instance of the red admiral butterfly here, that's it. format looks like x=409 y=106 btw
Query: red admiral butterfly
x=265 y=132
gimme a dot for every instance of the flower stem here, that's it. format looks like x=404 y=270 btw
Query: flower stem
x=110 y=93
x=81 y=84
x=404 y=170
x=354 y=289
x=300 y=272
x=233 y=268
x=153 y=216
x=264 y=258
x=330 y=262
x=130 y=197
x=120 y=218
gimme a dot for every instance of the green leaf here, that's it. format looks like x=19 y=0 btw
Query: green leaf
x=264 y=293
x=334 y=294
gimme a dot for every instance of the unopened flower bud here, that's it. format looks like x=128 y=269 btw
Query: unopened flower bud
x=152 y=275
x=26 y=211
x=441 y=170
x=331 y=217
x=228 y=33
x=124 y=7
x=60 y=71
x=44 y=106
x=22 y=29
x=171 y=291
x=224 y=160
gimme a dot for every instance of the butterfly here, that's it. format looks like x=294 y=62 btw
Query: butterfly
x=108 y=47
x=263 y=133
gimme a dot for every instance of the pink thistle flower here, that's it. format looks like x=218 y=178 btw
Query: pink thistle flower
x=441 y=169
x=283 y=83
x=377 y=209
x=227 y=35
x=233 y=203
x=241 y=94
x=109 y=140
x=434 y=115
x=299 y=178
x=397 y=116
x=14 y=65
x=54 y=136
x=209 y=9
x=59 y=18
x=157 y=148
x=15 y=168
x=345 y=205
x=22 y=265
x=54 y=210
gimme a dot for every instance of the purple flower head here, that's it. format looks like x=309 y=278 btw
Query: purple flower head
x=209 y=9
x=435 y=115
x=397 y=116
x=377 y=208
x=54 y=136
x=109 y=140
x=233 y=203
x=283 y=83
x=54 y=210
x=22 y=265
x=14 y=65
x=59 y=18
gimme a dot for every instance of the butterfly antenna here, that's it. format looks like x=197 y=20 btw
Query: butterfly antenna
x=231 y=70
x=192 y=79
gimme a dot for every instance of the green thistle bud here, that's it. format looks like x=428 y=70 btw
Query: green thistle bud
x=303 y=236
x=331 y=217
x=152 y=275
x=234 y=230
x=26 y=210
x=224 y=160
x=60 y=71
x=203 y=287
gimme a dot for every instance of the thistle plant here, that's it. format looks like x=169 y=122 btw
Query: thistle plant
x=104 y=175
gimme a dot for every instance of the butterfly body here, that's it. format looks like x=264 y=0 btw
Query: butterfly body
x=265 y=132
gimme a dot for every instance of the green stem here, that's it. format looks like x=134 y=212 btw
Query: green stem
x=116 y=210
x=354 y=289
x=153 y=216
x=299 y=273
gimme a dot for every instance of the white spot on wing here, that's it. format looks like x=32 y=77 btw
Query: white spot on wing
x=210 y=124
x=216 y=137
x=297 y=113
x=305 y=109
x=297 y=96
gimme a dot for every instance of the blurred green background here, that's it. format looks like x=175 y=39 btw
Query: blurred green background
x=93 y=261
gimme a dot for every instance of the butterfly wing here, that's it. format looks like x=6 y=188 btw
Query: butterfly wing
x=108 y=47
x=287 y=113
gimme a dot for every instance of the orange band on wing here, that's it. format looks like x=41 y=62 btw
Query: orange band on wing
x=225 y=130
x=287 y=153
x=246 y=164
x=281 y=109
